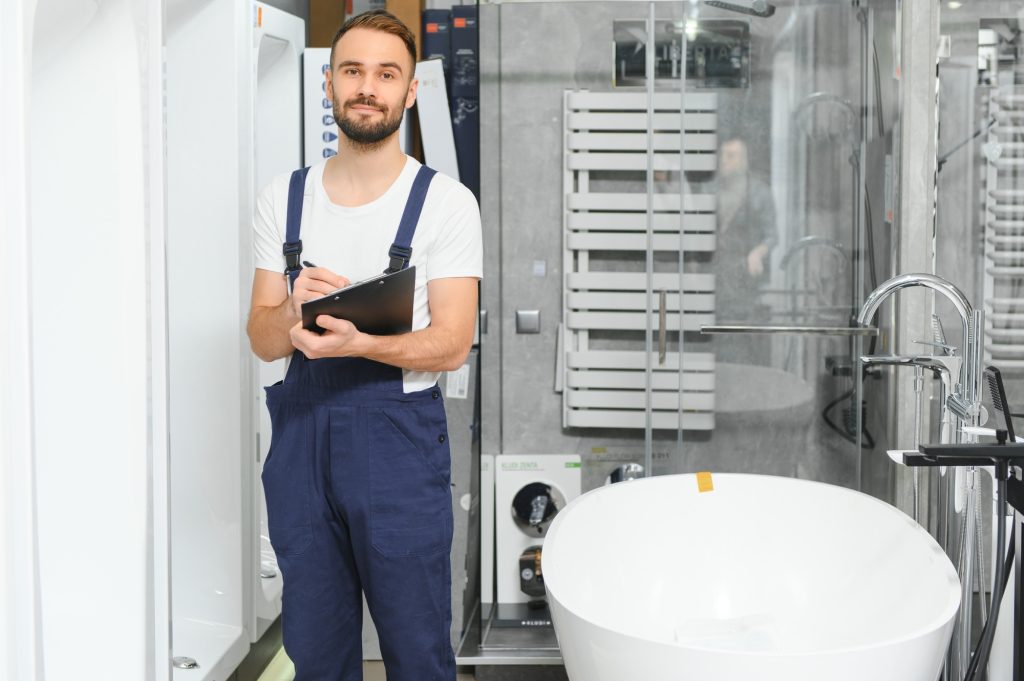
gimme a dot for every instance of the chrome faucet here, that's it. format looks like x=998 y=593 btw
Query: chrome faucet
x=965 y=398
x=963 y=402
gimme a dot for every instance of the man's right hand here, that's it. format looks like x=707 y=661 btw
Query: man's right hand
x=312 y=283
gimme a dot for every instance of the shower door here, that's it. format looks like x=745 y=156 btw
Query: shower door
x=626 y=216
x=684 y=206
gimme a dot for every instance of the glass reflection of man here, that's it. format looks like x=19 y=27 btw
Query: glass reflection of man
x=746 y=233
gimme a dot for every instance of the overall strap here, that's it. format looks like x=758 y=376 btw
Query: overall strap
x=292 y=242
x=401 y=250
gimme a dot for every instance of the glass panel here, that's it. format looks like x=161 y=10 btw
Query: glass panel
x=767 y=203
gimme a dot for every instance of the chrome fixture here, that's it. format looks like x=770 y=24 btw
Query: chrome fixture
x=627 y=471
x=965 y=399
x=962 y=401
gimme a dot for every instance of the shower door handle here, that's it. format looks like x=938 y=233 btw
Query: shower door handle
x=662 y=331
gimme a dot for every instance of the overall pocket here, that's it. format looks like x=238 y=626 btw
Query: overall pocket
x=410 y=491
x=286 y=479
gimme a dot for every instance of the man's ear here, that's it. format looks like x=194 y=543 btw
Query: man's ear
x=330 y=84
x=410 y=97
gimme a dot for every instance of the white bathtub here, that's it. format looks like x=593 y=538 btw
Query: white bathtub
x=761 y=579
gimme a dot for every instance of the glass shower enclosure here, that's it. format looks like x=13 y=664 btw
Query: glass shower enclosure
x=684 y=206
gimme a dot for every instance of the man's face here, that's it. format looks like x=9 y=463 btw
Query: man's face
x=732 y=159
x=370 y=85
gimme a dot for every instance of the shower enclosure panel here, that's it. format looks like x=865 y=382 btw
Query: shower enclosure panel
x=605 y=384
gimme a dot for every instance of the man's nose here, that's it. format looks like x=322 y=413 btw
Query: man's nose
x=367 y=86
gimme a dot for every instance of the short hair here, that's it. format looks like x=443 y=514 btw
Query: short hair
x=378 y=20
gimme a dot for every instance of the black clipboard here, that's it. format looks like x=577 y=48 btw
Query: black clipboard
x=381 y=306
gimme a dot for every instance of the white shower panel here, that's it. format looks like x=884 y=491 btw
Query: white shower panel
x=20 y=639
x=279 y=39
x=93 y=159
x=209 y=73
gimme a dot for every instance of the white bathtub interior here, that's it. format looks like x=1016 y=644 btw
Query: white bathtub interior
x=278 y=41
x=209 y=112
x=758 y=566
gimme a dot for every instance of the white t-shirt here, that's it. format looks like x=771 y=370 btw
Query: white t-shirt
x=354 y=241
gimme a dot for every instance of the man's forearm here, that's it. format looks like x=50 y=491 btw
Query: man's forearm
x=430 y=349
x=268 y=331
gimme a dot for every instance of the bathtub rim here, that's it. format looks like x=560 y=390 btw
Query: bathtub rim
x=945 y=621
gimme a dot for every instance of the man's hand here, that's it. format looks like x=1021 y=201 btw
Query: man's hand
x=340 y=339
x=755 y=260
x=313 y=283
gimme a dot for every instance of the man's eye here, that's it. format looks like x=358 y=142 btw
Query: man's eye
x=387 y=76
x=352 y=72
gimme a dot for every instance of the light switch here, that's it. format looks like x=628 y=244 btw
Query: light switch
x=527 y=321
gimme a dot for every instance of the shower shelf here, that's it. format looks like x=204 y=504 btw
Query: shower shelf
x=1006 y=304
x=1007 y=351
x=1009 y=101
x=1007 y=226
x=1007 y=258
x=1006 y=271
x=606 y=132
x=1002 y=209
x=1005 y=334
x=1007 y=243
x=1006 y=318
x=1007 y=194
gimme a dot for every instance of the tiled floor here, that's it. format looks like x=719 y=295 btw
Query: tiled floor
x=374 y=671
x=281 y=669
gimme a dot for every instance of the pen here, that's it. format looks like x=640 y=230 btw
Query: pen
x=308 y=263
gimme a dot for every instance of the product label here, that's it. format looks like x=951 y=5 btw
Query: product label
x=457 y=384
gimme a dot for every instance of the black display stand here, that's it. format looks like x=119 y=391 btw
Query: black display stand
x=1008 y=460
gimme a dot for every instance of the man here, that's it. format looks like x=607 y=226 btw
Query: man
x=357 y=478
x=746 y=232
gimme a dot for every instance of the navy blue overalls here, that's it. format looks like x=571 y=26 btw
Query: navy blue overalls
x=357 y=483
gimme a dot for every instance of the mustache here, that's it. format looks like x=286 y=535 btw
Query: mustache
x=364 y=101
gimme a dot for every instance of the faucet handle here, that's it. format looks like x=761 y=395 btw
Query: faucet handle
x=947 y=349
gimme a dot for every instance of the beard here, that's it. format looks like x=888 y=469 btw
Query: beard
x=363 y=133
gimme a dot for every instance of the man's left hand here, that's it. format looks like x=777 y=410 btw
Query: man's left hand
x=755 y=260
x=340 y=338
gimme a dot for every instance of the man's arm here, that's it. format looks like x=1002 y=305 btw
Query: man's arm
x=442 y=346
x=274 y=312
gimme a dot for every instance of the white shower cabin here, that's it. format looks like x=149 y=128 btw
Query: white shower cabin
x=130 y=507
x=233 y=123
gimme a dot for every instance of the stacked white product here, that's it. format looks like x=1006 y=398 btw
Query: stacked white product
x=1004 y=230
x=606 y=231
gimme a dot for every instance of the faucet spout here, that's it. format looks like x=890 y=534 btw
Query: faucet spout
x=938 y=284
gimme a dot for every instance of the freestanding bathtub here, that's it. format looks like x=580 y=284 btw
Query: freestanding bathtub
x=758 y=579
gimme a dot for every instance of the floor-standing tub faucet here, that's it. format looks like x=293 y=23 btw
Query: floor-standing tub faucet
x=965 y=398
x=963 y=402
